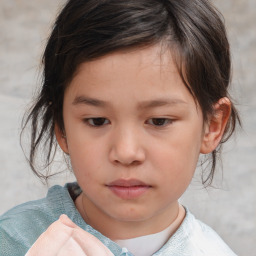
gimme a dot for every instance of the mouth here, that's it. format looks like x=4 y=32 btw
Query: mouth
x=128 y=189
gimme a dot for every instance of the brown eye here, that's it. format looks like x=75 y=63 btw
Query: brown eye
x=159 y=121
x=98 y=121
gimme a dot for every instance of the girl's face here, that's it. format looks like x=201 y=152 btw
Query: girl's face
x=134 y=134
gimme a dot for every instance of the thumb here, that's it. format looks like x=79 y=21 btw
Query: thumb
x=90 y=244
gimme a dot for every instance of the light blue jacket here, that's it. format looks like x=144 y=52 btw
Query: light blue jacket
x=21 y=226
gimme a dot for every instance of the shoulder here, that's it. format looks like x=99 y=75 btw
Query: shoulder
x=23 y=224
x=205 y=239
x=194 y=238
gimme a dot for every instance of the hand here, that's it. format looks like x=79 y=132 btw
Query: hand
x=65 y=238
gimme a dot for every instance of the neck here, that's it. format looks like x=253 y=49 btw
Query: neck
x=118 y=228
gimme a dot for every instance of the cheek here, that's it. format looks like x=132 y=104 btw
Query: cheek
x=179 y=152
x=176 y=159
x=85 y=159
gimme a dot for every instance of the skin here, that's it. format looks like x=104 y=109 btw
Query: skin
x=152 y=131
x=128 y=144
x=65 y=238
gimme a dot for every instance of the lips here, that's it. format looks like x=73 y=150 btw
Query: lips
x=128 y=189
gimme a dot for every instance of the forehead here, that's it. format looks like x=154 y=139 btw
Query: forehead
x=155 y=55
x=142 y=73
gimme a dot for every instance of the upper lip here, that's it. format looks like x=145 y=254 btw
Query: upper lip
x=127 y=183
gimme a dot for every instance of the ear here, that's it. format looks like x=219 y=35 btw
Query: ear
x=216 y=125
x=61 y=138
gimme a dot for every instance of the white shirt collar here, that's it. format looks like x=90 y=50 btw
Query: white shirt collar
x=149 y=244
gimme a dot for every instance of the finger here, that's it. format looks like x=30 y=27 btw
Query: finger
x=67 y=221
x=64 y=236
x=89 y=243
x=52 y=240
x=71 y=247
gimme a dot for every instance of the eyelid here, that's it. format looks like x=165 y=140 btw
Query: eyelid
x=169 y=121
x=87 y=121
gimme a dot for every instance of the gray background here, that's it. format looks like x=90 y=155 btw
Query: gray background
x=230 y=209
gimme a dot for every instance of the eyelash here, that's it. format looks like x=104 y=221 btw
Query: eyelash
x=87 y=121
x=167 y=121
x=90 y=121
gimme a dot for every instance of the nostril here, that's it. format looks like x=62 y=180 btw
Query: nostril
x=136 y=162
x=126 y=163
x=126 y=150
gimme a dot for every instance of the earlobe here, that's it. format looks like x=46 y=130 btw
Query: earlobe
x=215 y=127
x=61 y=139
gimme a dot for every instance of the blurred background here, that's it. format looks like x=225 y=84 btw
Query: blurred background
x=230 y=208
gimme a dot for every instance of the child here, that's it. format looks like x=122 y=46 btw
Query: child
x=133 y=92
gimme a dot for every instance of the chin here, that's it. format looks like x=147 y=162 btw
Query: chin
x=131 y=215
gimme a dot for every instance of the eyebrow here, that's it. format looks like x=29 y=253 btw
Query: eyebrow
x=160 y=102
x=82 y=100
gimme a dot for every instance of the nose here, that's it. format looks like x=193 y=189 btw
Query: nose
x=126 y=148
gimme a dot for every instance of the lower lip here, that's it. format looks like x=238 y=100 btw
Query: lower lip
x=129 y=192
